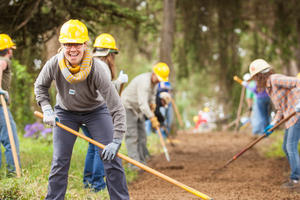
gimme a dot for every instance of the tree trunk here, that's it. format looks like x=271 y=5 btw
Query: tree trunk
x=167 y=35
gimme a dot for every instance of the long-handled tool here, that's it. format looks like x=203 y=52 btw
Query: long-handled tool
x=257 y=140
x=11 y=137
x=168 y=135
x=237 y=79
x=240 y=104
x=121 y=88
x=177 y=112
x=134 y=162
x=163 y=144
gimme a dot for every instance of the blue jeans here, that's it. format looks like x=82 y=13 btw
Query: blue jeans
x=4 y=139
x=290 y=148
x=148 y=127
x=93 y=174
x=260 y=115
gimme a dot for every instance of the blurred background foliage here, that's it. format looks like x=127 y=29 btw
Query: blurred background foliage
x=204 y=42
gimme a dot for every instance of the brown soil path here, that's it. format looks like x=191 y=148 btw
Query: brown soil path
x=251 y=177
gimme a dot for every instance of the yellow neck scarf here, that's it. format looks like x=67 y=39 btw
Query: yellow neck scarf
x=76 y=73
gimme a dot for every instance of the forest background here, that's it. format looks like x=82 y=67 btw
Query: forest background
x=205 y=43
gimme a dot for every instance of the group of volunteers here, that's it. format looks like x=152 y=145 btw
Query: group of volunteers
x=88 y=98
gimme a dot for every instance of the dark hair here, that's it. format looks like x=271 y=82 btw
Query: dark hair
x=261 y=80
x=3 y=52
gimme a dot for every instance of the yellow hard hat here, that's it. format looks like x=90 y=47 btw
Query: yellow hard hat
x=298 y=75
x=195 y=118
x=161 y=70
x=6 y=42
x=106 y=41
x=257 y=66
x=206 y=109
x=73 y=31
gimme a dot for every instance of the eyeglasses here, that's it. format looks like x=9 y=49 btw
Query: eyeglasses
x=75 y=45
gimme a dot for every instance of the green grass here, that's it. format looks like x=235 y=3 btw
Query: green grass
x=36 y=156
x=274 y=150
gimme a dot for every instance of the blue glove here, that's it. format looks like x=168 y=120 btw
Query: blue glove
x=297 y=108
x=49 y=116
x=266 y=131
x=111 y=150
x=5 y=93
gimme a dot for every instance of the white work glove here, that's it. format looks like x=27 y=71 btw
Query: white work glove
x=297 y=109
x=6 y=95
x=123 y=78
x=111 y=150
x=245 y=83
x=49 y=115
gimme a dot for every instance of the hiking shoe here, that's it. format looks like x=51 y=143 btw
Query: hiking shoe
x=291 y=184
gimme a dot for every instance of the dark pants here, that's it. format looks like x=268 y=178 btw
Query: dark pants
x=99 y=124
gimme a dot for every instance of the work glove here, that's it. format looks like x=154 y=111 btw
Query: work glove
x=6 y=95
x=245 y=83
x=111 y=150
x=123 y=78
x=297 y=109
x=154 y=122
x=49 y=115
x=266 y=131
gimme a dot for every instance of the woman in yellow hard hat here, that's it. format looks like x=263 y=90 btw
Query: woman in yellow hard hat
x=104 y=51
x=85 y=95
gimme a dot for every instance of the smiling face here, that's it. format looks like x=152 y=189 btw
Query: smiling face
x=74 y=52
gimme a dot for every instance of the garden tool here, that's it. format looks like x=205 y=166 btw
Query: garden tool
x=132 y=161
x=168 y=136
x=240 y=104
x=177 y=112
x=257 y=140
x=11 y=137
x=121 y=88
x=163 y=144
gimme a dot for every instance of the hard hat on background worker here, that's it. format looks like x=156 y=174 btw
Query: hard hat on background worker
x=105 y=44
x=161 y=70
x=206 y=109
x=195 y=118
x=246 y=77
x=6 y=42
x=73 y=31
x=258 y=66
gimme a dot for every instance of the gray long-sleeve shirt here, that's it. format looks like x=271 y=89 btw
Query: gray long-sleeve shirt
x=139 y=93
x=86 y=95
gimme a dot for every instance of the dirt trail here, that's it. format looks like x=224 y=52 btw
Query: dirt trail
x=193 y=161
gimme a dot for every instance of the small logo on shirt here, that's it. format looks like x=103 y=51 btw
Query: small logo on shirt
x=71 y=92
